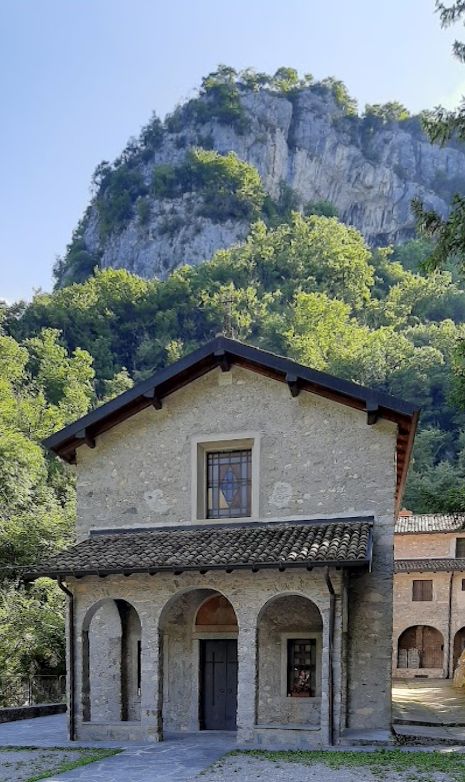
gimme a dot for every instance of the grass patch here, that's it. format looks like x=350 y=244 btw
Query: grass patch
x=87 y=757
x=425 y=764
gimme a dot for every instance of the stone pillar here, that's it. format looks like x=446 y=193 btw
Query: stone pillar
x=246 y=679
x=325 y=678
x=151 y=680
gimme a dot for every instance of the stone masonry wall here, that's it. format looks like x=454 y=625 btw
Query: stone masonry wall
x=316 y=456
x=166 y=606
x=435 y=613
x=426 y=546
x=286 y=615
x=408 y=613
x=317 y=459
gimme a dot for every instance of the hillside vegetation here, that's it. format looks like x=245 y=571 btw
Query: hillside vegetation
x=310 y=289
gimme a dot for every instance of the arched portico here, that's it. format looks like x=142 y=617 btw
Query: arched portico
x=198 y=665
x=459 y=647
x=289 y=670
x=111 y=662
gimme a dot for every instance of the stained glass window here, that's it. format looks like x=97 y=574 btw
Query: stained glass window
x=301 y=667
x=229 y=484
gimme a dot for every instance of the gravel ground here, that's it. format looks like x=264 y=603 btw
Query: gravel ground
x=243 y=768
x=18 y=765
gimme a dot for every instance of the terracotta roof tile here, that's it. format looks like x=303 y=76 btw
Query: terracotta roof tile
x=253 y=546
x=436 y=522
x=430 y=565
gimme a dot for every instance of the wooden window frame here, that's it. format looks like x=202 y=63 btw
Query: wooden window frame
x=216 y=462
x=202 y=445
x=422 y=590
x=458 y=542
x=285 y=638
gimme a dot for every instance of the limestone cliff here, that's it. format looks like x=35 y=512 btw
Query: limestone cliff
x=367 y=168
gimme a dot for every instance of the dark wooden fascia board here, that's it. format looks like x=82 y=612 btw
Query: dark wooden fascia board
x=223 y=352
x=204 y=568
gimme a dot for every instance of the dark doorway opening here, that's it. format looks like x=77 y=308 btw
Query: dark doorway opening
x=218 y=684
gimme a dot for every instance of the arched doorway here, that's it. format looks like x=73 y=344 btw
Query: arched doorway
x=289 y=638
x=459 y=645
x=111 y=662
x=198 y=632
x=420 y=646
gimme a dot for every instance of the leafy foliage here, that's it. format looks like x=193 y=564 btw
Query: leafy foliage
x=441 y=127
x=42 y=388
x=229 y=187
x=392 y=111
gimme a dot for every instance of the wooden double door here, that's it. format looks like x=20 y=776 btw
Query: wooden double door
x=218 y=684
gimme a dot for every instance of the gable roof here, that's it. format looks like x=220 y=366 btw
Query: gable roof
x=342 y=543
x=430 y=522
x=223 y=352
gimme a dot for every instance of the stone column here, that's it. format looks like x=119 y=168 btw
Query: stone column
x=151 y=679
x=325 y=673
x=247 y=679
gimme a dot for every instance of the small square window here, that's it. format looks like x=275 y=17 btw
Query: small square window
x=229 y=484
x=301 y=667
x=422 y=590
x=463 y=584
x=460 y=548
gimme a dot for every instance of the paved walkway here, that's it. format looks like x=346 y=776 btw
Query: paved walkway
x=428 y=702
x=428 y=710
x=179 y=759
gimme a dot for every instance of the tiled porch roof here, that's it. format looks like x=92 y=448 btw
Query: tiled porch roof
x=423 y=565
x=345 y=543
x=433 y=522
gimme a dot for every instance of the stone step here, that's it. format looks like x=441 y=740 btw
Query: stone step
x=429 y=735
x=367 y=738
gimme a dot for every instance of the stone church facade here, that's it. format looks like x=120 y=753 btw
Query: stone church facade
x=233 y=564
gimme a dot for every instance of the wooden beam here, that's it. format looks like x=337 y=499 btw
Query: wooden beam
x=293 y=384
x=154 y=398
x=87 y=437
x=372 y=413
x=223 y=360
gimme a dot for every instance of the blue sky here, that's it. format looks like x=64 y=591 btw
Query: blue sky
x=78 y=77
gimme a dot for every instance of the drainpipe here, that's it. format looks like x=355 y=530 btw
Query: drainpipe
x=449 y=630
x=70 y=597
x=332 y=599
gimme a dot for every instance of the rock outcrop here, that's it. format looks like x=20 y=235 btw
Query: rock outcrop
x=368 y=169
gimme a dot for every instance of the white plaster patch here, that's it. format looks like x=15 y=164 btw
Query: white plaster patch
x=281 y=494
x=156 y=501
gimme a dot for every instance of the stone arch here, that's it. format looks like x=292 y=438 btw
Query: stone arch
x=420 y=646
x=459 y=646
x=111 y=662
x=289 y=660
x=182 y=638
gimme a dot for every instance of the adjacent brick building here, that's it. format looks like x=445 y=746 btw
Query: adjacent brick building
x=234 y=561
x=429 y=595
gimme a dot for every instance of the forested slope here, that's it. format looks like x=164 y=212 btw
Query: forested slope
x=310 y=289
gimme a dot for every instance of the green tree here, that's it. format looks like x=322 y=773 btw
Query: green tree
x=393 y=111
x=442 y=126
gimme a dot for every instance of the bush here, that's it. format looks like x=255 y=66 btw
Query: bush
x=117 y=197
x=387 y=112
x=229 y=187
